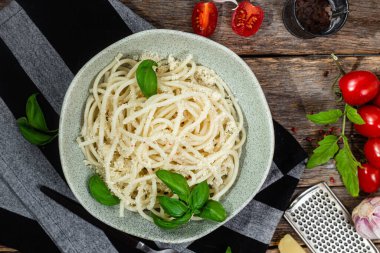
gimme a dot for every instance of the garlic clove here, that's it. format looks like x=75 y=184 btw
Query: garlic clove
x=375 y=224
x=362 y=226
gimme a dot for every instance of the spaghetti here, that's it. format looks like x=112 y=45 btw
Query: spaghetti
x=193 y=126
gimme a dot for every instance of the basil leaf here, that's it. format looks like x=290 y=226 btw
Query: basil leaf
x=34 y=114
x=347 y=166
x=33 y=135
x=176 y=182
x=353 y=115
x=146 y=78
x=172 y=223
x=228 y=250
x=213 y=210
x=199 y=195
x=100 y=192
x=173 y=207
x=327 y=117
x=326 y=150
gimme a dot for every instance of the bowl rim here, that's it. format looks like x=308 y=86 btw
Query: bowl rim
x=189 y=36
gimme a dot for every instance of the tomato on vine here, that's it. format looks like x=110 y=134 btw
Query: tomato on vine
x=359 y=87
x=372 y=151
x=371 y=116
x=369 y=178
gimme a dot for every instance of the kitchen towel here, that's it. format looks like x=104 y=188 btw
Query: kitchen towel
x=43 y=44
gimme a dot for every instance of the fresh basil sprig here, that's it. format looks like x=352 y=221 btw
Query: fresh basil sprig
x=191 y=202
x=34 y=114
x=173 y=207
x=170 y=224
x=213 y=210
x=146 y=78
x=33 y=135
x=176 y=182
x=199 y=196
x=33 y=127
x=100 y=192
x=329 y=147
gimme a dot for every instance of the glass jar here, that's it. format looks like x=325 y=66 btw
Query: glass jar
x=339 y=14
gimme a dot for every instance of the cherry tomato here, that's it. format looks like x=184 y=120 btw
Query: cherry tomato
x=359 y=87
x=369 y=178
x=376 y=100
x=247 y=19
x=204 y=19
x=371 y=116
x=372 y=152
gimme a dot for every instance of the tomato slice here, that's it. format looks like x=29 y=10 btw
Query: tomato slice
x=204 y=18
x=247 y=19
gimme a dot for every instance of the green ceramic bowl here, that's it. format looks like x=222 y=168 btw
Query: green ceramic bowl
x=257 y=153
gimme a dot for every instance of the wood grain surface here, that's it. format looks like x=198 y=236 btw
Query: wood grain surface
x=295 y=86
x=296 y=75
x=360 y=35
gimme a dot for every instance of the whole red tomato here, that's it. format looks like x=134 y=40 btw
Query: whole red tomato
x=371 y=117
x=372 y=152
x=204 y=18
x=247 y=19
x=369 y=178
x=376 y=100
x=359 y=87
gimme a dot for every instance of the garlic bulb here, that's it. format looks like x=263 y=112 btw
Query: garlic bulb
x=366 y=217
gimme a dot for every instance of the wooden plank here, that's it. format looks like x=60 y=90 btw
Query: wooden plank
x=359 y=35
x=295 y=86
x=3 y=3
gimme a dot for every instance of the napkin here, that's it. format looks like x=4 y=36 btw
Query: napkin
x=43 y=44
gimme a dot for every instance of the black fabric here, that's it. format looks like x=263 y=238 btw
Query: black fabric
x=24 y=234
x=278 y=194
x=15 y=89
x=220 y=239
x=77 y=29
x=288 y=152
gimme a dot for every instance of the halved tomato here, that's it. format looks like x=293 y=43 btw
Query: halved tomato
x=204 y=19
x=247 y=19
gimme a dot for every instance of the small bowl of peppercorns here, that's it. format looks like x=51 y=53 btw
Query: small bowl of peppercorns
x=313 y=18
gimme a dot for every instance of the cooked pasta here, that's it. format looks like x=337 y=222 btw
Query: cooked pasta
x=193 y=126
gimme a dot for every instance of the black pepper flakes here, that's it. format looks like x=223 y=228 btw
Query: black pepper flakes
x=314 y=15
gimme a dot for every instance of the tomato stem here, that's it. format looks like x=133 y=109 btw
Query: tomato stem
x=344 y=122
x=336 y=60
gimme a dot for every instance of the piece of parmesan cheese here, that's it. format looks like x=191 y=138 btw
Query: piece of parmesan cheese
x=289 y=245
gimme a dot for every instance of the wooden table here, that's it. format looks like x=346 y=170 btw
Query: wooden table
x=296 y=75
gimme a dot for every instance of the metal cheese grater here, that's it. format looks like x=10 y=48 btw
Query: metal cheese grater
x=324 y=223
